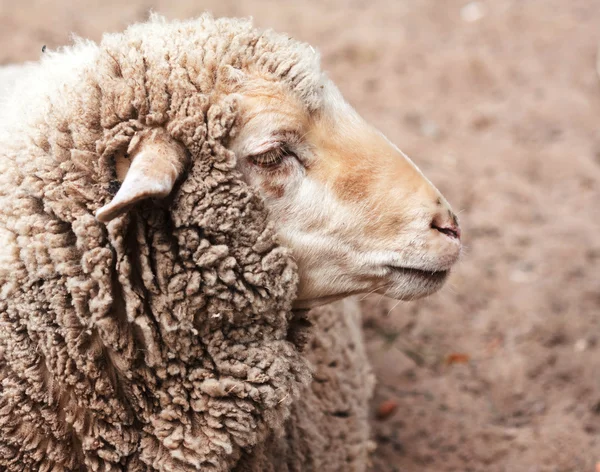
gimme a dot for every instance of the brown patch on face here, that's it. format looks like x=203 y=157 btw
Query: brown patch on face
x=273 y=182
x=364 y=170
x=355 y=184
x=341 y=165
x=272 y=189
x=358 y=163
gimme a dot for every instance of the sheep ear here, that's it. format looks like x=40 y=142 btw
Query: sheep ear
x=156 y=162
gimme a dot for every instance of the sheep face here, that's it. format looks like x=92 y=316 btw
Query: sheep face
x=358 y=215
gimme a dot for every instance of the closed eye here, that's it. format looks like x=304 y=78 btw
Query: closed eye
x=271 y=158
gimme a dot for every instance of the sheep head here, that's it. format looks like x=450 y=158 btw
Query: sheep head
x=356 y=212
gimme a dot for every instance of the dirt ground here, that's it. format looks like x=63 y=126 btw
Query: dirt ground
x=498 y=102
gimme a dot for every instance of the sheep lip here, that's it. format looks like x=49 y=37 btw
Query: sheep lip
x=421 y=273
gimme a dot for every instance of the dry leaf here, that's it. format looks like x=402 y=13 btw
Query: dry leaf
x=386 y=409
x=457 y=358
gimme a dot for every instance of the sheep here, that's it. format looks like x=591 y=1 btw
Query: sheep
x=8 y=77
x=172 y=202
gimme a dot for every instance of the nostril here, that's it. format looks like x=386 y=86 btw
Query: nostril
x=452 y=230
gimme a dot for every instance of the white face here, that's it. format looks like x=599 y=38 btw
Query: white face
x=356 y=212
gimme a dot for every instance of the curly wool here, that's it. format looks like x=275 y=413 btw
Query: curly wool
x=328 y=429
x=161 y=341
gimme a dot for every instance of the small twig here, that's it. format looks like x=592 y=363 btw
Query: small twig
x=286 y=395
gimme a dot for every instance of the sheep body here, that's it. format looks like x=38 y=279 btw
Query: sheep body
x=164 y=340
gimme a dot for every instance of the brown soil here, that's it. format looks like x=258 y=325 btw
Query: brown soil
x=501 y=370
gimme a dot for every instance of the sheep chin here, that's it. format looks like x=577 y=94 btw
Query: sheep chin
x=409 y=284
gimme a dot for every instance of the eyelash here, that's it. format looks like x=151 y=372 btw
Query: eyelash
x=271 y=158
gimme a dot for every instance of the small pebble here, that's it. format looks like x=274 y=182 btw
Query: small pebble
x=473 y=11
x=581 y=345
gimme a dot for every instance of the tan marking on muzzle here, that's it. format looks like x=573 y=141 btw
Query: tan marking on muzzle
x=363 y=168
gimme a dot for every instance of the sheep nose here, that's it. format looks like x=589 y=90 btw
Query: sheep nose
x=446 y=223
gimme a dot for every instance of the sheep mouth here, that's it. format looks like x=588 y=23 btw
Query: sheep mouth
x=419 y=274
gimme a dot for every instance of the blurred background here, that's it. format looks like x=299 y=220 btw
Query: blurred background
x=498 y=102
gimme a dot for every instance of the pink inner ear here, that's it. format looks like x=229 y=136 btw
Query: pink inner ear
x=157 y=162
